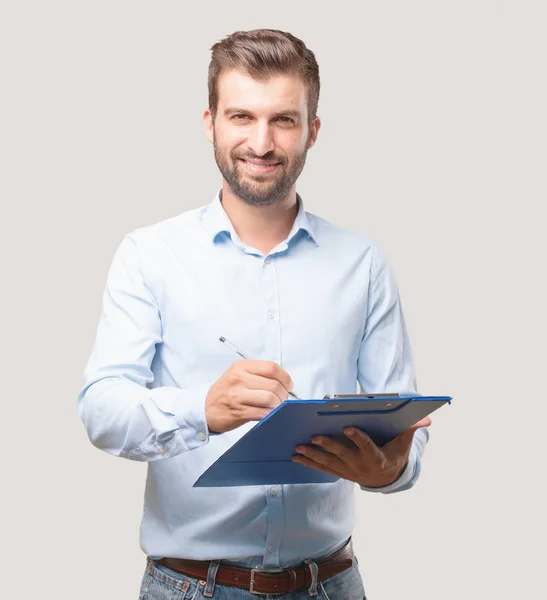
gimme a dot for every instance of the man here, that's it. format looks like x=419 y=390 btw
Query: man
x=309 y=302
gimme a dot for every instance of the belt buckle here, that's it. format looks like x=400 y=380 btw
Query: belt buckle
x=252 y=586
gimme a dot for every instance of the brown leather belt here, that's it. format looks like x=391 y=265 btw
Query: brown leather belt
x=265 y=581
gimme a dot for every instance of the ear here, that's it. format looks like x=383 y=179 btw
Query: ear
x=314 y=130
x=208 y=123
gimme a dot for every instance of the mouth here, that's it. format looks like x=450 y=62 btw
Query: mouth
x=259 y=167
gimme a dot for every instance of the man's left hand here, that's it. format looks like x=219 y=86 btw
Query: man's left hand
x=366 y=464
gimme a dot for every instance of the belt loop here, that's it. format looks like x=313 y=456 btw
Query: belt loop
x=314 y=571
x=211 y=576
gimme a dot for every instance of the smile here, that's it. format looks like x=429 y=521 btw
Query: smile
x=259 y=168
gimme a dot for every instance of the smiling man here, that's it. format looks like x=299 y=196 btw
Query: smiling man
x=309 y=301
x=261 y=149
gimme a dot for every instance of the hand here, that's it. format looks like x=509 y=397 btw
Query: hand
x=248 y=391
x=367 y=464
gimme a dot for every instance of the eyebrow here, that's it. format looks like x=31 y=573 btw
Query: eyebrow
x=282 y=113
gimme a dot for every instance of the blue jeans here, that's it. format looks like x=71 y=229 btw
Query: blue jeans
x=161 y=583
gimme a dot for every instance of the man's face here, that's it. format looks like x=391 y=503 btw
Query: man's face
x=261 y=135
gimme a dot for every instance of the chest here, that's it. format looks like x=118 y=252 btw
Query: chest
x=305 y=311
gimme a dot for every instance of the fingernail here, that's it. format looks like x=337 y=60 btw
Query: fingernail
x=350 y=431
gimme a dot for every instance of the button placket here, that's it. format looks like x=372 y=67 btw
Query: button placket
x=274 y=502
x=272 y=342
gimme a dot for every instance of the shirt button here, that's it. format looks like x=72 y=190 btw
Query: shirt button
x=271 y=549
x=267 y=261
x=273 y=491
x=161 y=451
x=271 y=314
x=201 y=436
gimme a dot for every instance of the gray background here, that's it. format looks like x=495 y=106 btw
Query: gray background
x=433 y=142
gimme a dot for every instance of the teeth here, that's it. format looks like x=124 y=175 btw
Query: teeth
x=259 y=167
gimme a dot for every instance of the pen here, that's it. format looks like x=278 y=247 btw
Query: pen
x=225 y=341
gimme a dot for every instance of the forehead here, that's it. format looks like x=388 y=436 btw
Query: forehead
x=280 y=92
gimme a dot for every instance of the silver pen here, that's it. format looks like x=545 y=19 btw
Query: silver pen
x=225 y=341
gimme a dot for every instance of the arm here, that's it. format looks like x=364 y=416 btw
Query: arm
x=385 y=359
x=384 y=365
x=121 y=415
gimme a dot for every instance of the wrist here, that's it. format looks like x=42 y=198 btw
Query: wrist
x=384 y=479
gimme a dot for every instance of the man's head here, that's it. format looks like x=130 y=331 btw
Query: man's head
x=262 y=115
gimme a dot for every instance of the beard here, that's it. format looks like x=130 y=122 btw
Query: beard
x=258 y=190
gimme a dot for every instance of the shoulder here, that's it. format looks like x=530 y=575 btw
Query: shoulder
x=177 y=229
x=346 y=239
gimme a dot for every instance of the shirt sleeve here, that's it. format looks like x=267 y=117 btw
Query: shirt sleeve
x=121 y=414
x=385 y=361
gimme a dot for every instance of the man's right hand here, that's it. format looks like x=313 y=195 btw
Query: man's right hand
x=248 y=391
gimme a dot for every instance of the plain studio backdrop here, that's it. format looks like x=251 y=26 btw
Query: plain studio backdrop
x=433 y=143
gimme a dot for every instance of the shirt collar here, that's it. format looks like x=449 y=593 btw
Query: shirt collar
x=215 y=221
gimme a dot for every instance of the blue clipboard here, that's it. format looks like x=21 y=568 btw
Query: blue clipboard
x=263 y=456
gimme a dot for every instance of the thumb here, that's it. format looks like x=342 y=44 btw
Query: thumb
x=404 y=440
x=425 y=422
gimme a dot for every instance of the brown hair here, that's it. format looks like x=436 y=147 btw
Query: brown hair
x=262 y=53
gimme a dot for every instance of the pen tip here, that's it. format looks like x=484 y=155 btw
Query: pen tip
x=222 y=339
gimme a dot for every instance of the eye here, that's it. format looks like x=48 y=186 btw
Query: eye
x=286 y=120
x=240 y=117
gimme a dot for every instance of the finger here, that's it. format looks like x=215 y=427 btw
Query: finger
x=345 y=450
x=326 y=459
x=257 y=382
x=400 y=445
x=268 y=369
x=308 y=462
x=253 y=413
x=425 y=422
x=248 y=414
x=368 y=449
x=258 y=398
x=404 y=440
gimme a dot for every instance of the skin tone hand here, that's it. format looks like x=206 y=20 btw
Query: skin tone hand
x=366 y=464
x=248 y=391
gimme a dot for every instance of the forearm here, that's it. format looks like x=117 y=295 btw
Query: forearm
x=129 y=420
x=411 y=472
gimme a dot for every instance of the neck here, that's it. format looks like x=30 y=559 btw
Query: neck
x=262 y=227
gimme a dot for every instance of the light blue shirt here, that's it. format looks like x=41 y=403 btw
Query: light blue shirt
x=323 y=304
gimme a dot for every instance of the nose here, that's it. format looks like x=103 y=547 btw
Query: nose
x=260 y=139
